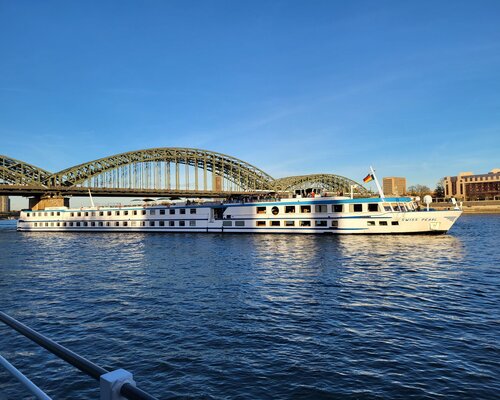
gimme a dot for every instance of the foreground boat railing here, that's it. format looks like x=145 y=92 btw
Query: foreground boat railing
x=113 y=384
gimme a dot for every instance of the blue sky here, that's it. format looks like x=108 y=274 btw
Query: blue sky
x=293 y=87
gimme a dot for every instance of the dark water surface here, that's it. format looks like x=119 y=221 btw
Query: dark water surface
x=259 y=316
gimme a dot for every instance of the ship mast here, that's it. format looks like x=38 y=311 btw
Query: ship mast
x=381 y=193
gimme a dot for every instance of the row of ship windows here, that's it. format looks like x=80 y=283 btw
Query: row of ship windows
x=337 y=208
x=123 y=212
x=117 y=223
x=304 y=223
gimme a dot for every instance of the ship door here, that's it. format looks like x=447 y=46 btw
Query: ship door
x=218 y=213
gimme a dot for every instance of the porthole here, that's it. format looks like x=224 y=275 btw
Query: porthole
x=275 y=210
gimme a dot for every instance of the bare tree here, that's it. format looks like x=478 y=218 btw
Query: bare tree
x=419 y=190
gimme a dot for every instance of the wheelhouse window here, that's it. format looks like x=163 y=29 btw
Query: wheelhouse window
x=372 y=207
x=387 y=207
x=356 y=207
x=305 y=209
x=261 y=210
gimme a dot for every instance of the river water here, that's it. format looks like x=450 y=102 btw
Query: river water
x=259 y=316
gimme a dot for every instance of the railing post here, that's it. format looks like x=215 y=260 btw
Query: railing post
x=112 y=382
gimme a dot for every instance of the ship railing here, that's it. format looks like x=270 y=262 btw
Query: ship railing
x=114 y=385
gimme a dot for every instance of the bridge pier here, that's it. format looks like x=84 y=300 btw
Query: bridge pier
x=42 y=202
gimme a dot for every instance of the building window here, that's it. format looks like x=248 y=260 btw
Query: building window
x=321 y=208
x=192 y=210
x=275 y=223
x=372 y=207
x=227 y=223
x=305 y=209
x=289 y=209
x=261 y=210
x=261 y=223
x=321 y=223
x=305 y=223
x=239 y=223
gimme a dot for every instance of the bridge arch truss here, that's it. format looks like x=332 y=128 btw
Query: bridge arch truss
x=327 y=182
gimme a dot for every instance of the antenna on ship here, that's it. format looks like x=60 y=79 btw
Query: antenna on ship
x=381 y=193
x=91 y=199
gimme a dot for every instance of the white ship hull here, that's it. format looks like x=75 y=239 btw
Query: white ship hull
x=335 y=215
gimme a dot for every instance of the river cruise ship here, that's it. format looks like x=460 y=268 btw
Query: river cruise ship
x=333 y=215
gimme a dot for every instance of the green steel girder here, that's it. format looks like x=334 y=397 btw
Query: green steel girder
x=329 y=182
x=17 y=172
x=222 y=165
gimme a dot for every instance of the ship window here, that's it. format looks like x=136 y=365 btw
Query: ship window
x=86 y=214
x=383 y=223
x=192 y=210
x=372 y=207
x=143 y=212
x=172 y=211
x=46 y=224
x=261 y=223
x=134 y=212
x=51 y=214
x=92 y=224
x=321 y=208
x=64 y=224
x=182 y=211
x=261 y=210
x=171 y=223
x=71 y=224
x=45 y=214
x=305 y=209
x=338 y=208
x=320 y=223
x=109 y=212
x=370 y=223
x=357 y=207
x=36 y=223
x=395 y=222
x=152 y=212
x=117 y=224
x=289 y=209
x=192 y=223
x=182 y=223
x=162 y=212
x=239 y=223
x=125 y=223
x=151 y=223
x=72 y=214
x=77 y=224
x=305 y=223
x=58 y=224
x=100 y=224
x=387 y=207
x=125 y=212
x=108 y=223
x=289 y=223
x=51 y=224
x=335 y=224
x=162 y=223
x=227 y=223
x=58 y=214
x=101 y=213
x=395 y=207
x=117 y=212
x=275 y=210
x=79 y=214
x=275 y=223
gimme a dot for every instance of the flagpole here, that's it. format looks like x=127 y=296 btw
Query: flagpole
x=378 y=184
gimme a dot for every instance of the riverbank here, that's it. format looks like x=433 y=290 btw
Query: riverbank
x=9 y=215
x=473 y=207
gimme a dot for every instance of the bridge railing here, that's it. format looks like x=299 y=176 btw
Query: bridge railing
x=113 y=384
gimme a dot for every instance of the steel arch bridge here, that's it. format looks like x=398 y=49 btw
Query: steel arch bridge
x=166 y=170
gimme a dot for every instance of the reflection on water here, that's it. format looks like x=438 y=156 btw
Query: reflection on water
x=260 y=316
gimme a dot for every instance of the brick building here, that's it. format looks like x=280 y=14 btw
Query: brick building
x=468 y=186
x=394 y=186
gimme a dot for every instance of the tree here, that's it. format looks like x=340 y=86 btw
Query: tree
x=439 y=191
x=419 y=190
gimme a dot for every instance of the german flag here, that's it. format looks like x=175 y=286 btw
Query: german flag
x=368 y=178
